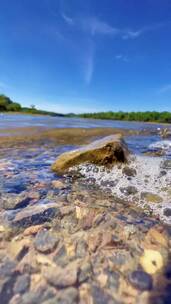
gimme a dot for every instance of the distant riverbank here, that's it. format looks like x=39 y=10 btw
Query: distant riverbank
x=147 y=116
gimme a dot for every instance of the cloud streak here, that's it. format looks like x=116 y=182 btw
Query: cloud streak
x=91 y=28
x=88 y=63
x=121 y=57
x=165 y=89
x=67 y=19
x=132 y=34
x=97 y=27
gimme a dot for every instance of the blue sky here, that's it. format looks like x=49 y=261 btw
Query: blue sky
x=81 y=56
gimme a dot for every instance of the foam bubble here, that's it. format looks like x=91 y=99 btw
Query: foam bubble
x=162 y=144
x=150 y=178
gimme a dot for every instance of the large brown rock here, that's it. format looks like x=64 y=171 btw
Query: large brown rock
x=108 y=150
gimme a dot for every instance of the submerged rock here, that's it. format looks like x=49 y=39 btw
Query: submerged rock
x=62 y=277
x=141 y=280
x=129 y=171
x=45 y=241
x=151 y=197
x=106 y=151
x=165 y=133
x=34 y=215
x=14 y=201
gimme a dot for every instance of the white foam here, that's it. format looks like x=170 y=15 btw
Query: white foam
x=147 y=179
x=162 y=144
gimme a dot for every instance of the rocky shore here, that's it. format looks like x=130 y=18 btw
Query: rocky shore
x=85 y=237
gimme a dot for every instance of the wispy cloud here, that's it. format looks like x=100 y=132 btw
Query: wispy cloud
x=97 y=26
x=121 y=57
x=67 y=19
x=164 y=89
x=79 y=28
x=88 y=63
x=133 y=34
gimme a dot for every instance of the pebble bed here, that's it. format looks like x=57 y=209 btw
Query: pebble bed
x=83 y=238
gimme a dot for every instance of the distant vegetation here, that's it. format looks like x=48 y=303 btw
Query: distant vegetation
x=7 y=105
x=153 y=116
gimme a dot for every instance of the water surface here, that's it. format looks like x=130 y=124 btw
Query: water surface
x=8 y=121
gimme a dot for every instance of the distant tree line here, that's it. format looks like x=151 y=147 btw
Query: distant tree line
x=148 y=116
x=7 y=105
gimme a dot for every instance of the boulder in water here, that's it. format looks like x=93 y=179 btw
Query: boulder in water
x=105 y=151
x=165 y=133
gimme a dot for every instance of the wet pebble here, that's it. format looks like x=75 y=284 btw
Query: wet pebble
x=141 y=280
x=22 y=283
x=129 y=171
x=167 y=212
x=129 y=190
x=45 y=241
x=13 y=201
x=7 y=268
x=101 y=297
x=166 y=164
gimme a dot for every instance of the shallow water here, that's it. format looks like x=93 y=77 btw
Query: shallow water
x=26 y=171
x=8 y=121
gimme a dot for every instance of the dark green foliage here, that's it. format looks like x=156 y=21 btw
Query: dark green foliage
x=5 y=102
x=14 y=107
x=7 y=105
x=130 y=116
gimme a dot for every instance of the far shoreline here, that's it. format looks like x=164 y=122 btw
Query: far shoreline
x=84 y=118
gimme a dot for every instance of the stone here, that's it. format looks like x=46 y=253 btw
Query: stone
x=155 y=236
x=66 y=296
x=38 y=295
x=14 y=201
x=165 y=133
x=101 y=297
x=22 y=284
x=151 y=261
x=43 y=259
x=7 y=268
x=166 y=164
x=141 y=280
x=58 y=184
x=113 y=280
x=60 y=257
x=167 y=212
x=32 y=230
x=45 y=242
x=151 y=197
x=162 y=173
x=106 y=151
x=129 y=190
x=85 y=272
x=81 y=248
x=35 y=215
x=61 y=277
x=129 y=171
x=18 y=248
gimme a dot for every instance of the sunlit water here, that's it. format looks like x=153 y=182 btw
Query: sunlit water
x=20 y=120
x=22 y=169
